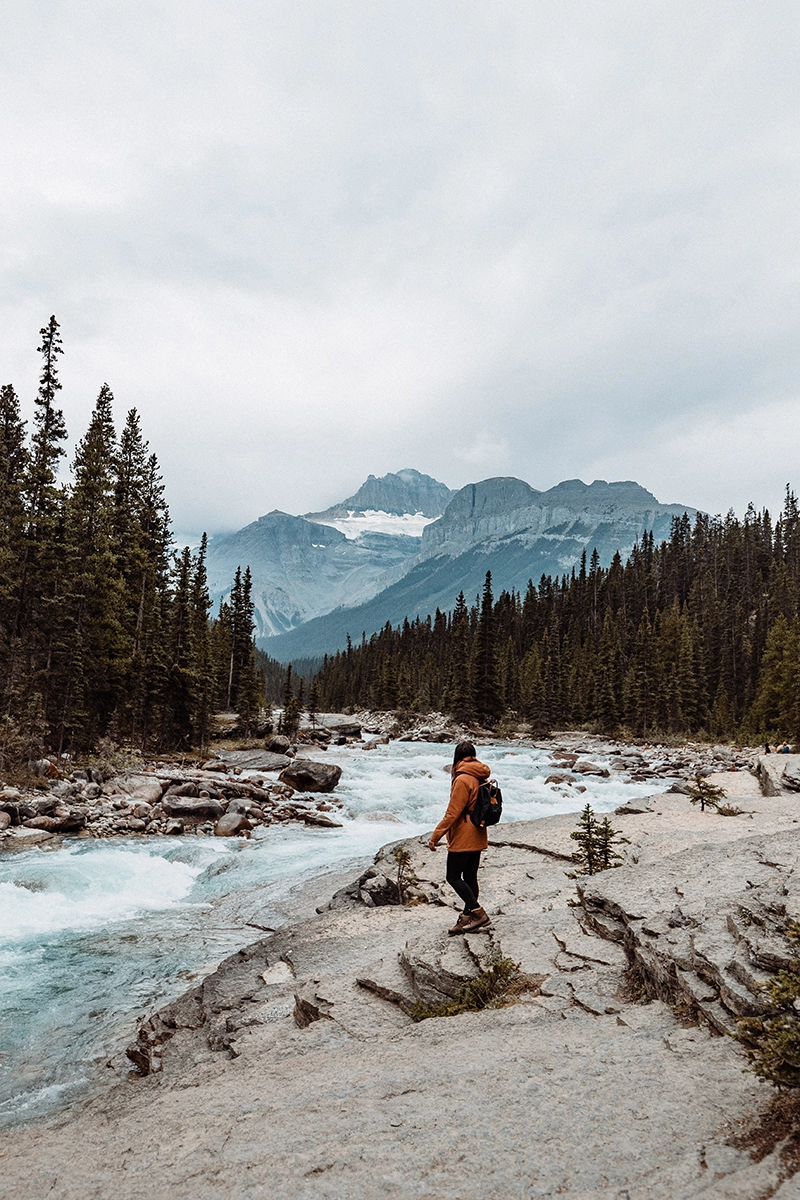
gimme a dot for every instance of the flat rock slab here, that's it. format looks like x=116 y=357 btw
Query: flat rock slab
x=254 y=760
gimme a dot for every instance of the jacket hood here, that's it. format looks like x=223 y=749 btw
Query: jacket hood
x=471 y=766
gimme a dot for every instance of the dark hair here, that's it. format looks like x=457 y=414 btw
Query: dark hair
x=463 y=750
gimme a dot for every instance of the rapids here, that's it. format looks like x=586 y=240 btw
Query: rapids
x=95 y=933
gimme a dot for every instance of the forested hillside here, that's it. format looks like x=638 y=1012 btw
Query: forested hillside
x=104 y=629
x=699 y=634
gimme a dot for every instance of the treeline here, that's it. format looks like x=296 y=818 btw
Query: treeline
x=697 y=635
x=104 y=629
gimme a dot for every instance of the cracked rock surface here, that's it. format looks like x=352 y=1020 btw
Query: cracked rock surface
x=295 y=1070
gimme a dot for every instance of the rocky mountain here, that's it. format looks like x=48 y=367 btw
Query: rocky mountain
x=502 y=525
x=407 y=492
x=305 y=566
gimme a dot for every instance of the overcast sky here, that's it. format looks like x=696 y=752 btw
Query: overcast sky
x=314 y=240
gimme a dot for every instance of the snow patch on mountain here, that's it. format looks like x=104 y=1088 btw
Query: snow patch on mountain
x=376 y=521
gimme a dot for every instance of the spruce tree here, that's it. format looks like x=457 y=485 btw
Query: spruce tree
x=486 y=687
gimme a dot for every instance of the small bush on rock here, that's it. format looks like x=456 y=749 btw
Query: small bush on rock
x=704 y=793
x=597 y=841
x=491 y=989
x=772 y=1044
x=406 y=875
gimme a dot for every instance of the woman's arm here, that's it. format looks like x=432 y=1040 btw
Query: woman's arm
x=460 y=796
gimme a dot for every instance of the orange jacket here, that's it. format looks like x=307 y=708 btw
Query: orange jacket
x=456 y=823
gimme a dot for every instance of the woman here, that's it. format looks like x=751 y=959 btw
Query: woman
x=464 y=840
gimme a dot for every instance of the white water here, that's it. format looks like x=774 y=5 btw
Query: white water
x=96 y=933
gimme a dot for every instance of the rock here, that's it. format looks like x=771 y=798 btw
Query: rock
x=309 y=1007
x=42 y=822
x=182 y=789
x=91 y=791
x=22 y=838
x=232 y=824
x=192 y=809
x=306 y=775
x=136 y=825
x=254 y=760
x=278 y=743
x=345 y=728
x=560 y=779
x=582 y=767
x=314 y=818
x=143 y=787
x=173 y=828
x=5 y=820
x=437 y=969
x=642 y=804
x=143 y=810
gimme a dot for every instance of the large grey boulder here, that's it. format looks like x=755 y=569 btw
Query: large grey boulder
x=254 y=760
x=143 y=787
x=191 y=808
x=232 y=824
x=306 y=775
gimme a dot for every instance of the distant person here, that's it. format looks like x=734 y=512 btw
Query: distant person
x=465 y=841
x=766 y=748
x=785 y=748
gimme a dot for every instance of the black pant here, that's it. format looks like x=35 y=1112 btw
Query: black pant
x=462 y=875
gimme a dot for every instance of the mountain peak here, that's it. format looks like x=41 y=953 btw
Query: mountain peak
x=401 y=493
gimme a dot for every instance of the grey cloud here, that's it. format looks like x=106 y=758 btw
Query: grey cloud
x=315 y=241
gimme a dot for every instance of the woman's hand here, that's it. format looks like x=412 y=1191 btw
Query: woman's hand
x=431 y=844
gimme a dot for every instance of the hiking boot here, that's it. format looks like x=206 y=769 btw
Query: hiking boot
x=464 y=919
x=476 y=920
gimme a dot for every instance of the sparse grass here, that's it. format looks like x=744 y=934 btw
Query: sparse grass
x=497 y=983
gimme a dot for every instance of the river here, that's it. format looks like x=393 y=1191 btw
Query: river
x=95 y=933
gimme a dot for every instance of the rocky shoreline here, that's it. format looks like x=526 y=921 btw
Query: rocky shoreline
x=236 y=791
x=295 y=1069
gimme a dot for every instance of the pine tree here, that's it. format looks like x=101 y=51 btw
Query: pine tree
x=90 y=633
x=486 y=687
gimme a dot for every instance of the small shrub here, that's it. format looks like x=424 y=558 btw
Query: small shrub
x=772 y=1043
x=704 y=793
x=728 y=810
x=597 y=841
x=490 y=989
x=406 y=875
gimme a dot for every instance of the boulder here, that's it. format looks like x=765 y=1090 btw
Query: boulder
x=12 y=809
x=22 y=838
x=143 y=787
x=192 y=808
x=588 y=768
x=278 y=743
x=560 y=779
x=306 y=775
x=5 y=821
x=232 y=824
x=173 y=828
x=254 y=760
x=42 y=822
x=182 y=789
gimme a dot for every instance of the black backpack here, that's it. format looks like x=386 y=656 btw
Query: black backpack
x=488 y=805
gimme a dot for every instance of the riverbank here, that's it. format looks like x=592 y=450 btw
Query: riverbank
x=294 y=1069
x=237 y=791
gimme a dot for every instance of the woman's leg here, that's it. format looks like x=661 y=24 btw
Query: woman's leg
x=456 y=868
x=472 y=860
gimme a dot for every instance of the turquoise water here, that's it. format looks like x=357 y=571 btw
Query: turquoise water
x=96 y=933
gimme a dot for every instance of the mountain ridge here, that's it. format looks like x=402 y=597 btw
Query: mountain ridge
x=347 y=570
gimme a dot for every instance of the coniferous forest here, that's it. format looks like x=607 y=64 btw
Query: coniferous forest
x=697 y=635
x=104 y=629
